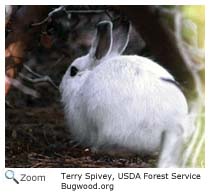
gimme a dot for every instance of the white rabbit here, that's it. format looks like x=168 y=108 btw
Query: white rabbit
x=128 y=102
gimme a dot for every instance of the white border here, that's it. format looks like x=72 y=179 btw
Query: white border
x=6 y=186
x=107 y=2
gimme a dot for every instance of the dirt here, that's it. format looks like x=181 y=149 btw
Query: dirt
x=38 y=137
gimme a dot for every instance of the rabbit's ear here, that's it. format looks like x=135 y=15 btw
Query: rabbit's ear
x=103 y=42
x=121 y=31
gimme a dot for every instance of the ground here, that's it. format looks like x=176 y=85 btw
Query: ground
x=38 y=137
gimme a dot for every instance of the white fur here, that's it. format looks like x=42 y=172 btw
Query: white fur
x=123 y=102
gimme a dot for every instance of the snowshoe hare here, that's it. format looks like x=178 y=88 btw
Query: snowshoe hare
x=113 y=100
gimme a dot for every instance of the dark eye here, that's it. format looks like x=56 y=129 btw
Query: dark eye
x=73 y=71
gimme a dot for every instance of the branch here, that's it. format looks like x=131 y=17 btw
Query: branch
x=17 y=84
x=69 y=12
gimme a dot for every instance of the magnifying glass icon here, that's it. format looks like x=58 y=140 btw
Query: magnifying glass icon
x=9 y=174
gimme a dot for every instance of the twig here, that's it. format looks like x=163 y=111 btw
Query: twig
x=22 y=87
x=59 y=60
x=40 y=23
x=38 y=80
x=68 y=12
x=61 y=8
x=31 y=71
x=8 y=104
x=86 y=11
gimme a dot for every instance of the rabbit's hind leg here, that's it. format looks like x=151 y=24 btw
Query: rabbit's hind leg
x=172 y=141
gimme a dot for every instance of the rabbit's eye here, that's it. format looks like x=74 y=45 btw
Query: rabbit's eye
x=73 y=71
